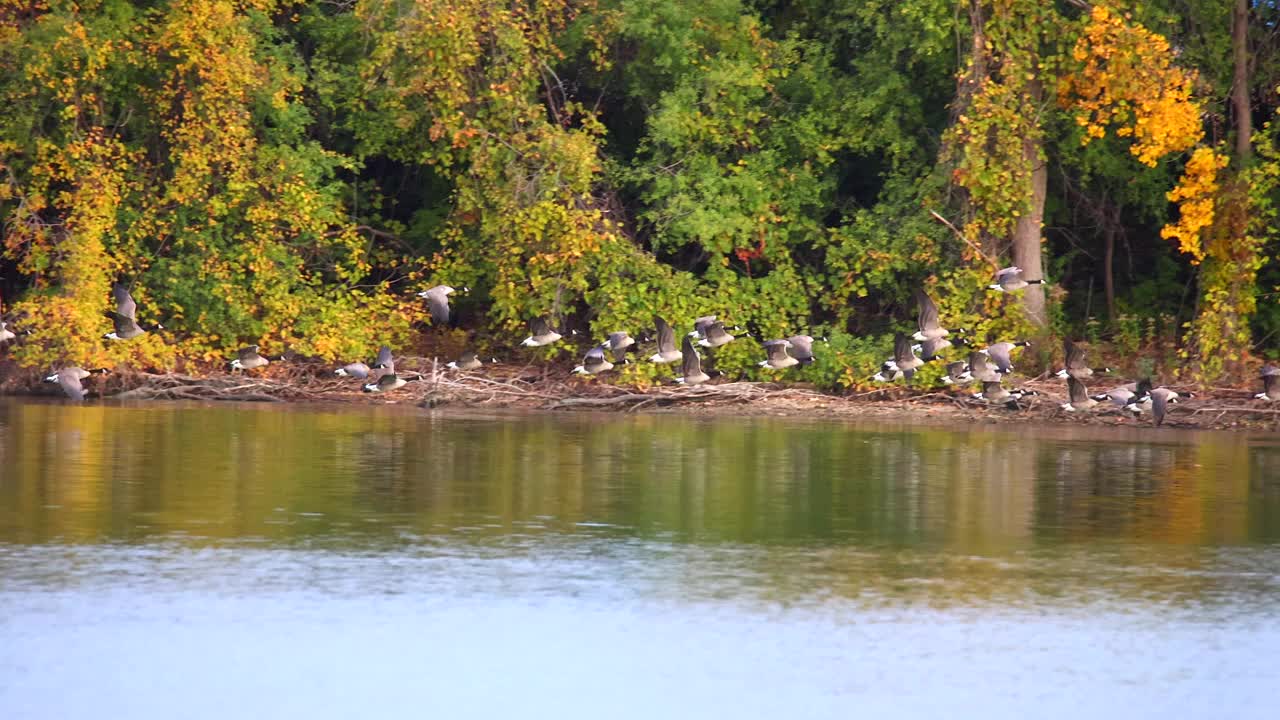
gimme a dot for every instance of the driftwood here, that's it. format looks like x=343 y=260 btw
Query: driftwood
x=216 y=387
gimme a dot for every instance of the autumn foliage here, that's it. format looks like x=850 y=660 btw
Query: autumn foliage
x=292 y=173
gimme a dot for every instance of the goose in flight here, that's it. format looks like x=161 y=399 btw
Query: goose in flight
x=438 y=303
x=1010 y=279
x=540 y=333
x=667 y=351
x=125 y=317
x=691 y=372
x=779 y=358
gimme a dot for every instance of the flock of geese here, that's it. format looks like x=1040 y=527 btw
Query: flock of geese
x=987 y=367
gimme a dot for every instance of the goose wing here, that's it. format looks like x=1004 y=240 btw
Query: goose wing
x=384 y=359
x=538 y=327
x=124 y=324
x=666 y=335
x=70 y=382
x=777 y=350
x=124 y=302
x=595 y=357
x=618 y=343
x=715 y=331
x=930 y=348
x=1000 y=355
x=438 y=304
x=1074 y=355
x=1079 y=394
x=902 y=352
x=801 y=347
x=992 y=390
x=928 y=317
x=701 y=324
x=247 y=353
x=690 y=363
x=1009 y=274
x=979 y=368
x=1159 y=405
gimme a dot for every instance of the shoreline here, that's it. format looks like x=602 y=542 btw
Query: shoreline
x=543 y=389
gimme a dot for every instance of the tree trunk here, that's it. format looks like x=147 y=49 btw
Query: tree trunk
x=1108 y=271
x=1026 y=233
x=1240 y=83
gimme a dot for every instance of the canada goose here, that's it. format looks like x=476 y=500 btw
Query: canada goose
x=927 y=318
x=779 y=358
x=438 y=303
x=386 y=383
x=249 y=359
x=5 y=333
x=468 y=361
x=1075 y=365
x=667 y=351
x=700 y=326
x=802 y=348
x=1077 y=396
x=999 y=353
x=994 y=392
x=957 y=372
x=1127 y=397
x=357 y=370
x=595 y=362
x=980 y=369
x=691 y=372
x=360 y=371
x=714 y=335
x=932 y=348
x=69 y=379
x=618 y=343
x=1270 y=375
x=1010 y=279
x=125 y=317
x=904 y=361
x=1159 y=400
x=540 y=333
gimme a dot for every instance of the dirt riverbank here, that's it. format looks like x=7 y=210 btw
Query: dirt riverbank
x=550 y=388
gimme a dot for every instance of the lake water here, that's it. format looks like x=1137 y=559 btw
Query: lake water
x=191 y=561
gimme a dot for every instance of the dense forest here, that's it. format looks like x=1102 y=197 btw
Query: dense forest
x=293 y=173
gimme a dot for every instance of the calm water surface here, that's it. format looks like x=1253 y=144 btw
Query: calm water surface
x=162 y=561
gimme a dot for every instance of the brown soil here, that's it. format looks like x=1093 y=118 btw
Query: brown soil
x=550 y=388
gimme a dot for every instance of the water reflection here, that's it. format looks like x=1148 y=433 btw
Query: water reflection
x=94 y=472
x=716 y=507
